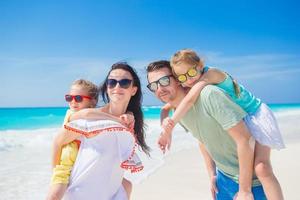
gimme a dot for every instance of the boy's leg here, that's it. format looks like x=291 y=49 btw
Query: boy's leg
x=264 y=172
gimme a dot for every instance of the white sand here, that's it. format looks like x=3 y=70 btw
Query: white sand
x=184 y=176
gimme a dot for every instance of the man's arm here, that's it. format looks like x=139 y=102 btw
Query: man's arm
x=245 y=150
x=230 y=116
x=211 y=169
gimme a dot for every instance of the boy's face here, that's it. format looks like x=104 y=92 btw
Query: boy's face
x=164 y=93
x=85 y=103
x=187 y=72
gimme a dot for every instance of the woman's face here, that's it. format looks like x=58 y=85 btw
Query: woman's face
x=120 y=86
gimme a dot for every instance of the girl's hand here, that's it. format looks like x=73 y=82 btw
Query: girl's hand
x=168 y=124
x=128 y=120
x=164 y=142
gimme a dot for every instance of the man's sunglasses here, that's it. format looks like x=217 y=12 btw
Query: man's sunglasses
x=77 y=98
x=163 y=81
x=192 y=72
x=123 y=83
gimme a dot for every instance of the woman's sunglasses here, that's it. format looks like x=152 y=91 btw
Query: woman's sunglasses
x=77 y=98
x=163 y=81
x=123 y=83
x=192 y=72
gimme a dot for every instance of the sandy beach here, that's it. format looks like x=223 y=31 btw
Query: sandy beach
x=184 y=176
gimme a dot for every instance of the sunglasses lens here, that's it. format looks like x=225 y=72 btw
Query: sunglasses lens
x=164 y=81
x=181 y=78
x=68 y=98
x=78 y=98
x=125 y=83
x=111 y=83
x=192 y=72
x=152 y=86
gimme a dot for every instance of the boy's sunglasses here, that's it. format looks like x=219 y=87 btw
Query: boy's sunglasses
x=192 y=72
x=77 y=98
x=163 y=81
x=123 y=83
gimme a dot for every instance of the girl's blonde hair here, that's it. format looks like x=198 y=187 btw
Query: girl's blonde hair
x=186 y=56
x=190 y=57
x=91 y=88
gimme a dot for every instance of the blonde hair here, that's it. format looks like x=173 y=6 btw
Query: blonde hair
x=190 y=57
x=91 y=88
x=186 y=56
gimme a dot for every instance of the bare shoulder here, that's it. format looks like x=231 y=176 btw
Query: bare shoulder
x=214 y=76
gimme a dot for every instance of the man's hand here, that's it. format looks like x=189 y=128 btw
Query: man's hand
x=213 y=187
x=244 y=196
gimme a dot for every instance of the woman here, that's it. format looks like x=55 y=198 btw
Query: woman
x=97 y=173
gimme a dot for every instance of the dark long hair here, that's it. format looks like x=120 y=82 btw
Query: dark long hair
x=135 y=103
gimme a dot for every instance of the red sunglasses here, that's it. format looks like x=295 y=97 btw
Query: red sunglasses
x=77 y=98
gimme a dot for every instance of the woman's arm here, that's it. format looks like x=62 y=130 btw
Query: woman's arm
x=92 y=114
x=63 y=138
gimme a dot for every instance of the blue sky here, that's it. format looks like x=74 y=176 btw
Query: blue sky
x=45 y=45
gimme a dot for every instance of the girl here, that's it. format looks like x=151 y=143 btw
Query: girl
x=191 y=73
x=83 y=94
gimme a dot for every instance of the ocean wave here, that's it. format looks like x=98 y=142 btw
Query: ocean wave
x=16 y=139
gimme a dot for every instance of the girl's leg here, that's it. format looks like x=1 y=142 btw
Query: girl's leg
x=264 y=172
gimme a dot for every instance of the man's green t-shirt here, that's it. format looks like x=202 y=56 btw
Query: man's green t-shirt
x=208 y=120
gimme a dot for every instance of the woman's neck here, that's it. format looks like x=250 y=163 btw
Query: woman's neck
x=116 y=109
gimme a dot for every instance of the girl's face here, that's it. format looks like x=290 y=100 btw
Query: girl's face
x=85 y=103
x=120 y=86
x=187 y=74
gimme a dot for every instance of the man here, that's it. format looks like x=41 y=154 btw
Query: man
x=217 y=123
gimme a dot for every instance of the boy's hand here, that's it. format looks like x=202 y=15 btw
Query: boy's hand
x=128 y=120
x=165 y=141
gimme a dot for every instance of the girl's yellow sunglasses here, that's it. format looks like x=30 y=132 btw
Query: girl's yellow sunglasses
x=192 y=72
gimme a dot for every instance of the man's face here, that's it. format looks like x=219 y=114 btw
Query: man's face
x=164 y=93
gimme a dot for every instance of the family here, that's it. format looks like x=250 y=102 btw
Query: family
x=235 y=130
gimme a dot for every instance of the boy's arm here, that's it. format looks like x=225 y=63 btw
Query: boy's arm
x=188 y=101
x=63 y=138
x=92 y=114
x=245 y=150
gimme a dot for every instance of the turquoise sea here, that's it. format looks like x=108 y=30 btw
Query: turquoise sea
x=49 y=117
x=26 y=136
